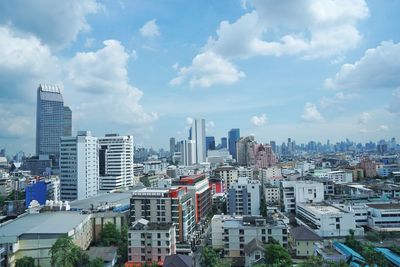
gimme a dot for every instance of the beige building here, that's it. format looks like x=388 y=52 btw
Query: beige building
x=272 y=194
x=228 y=174
x=34 y=234
x=302 y=241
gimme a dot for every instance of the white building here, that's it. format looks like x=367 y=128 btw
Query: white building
x=228 y=174
x=294 y=192
x=340 y=176
x=116 y=162
x=198 y=135
x=150 y=242
x=272 y=175
x=245 y=172
x=244 y=197
x=327 y=220
x=271 y=194
x=384 y=217
x=79 y=166
x=232 y=233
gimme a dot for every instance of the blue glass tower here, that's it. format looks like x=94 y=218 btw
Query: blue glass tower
x=233 y=137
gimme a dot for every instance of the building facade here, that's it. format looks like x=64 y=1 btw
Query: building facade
x=79 y=166
x=233 y=137
x=244 y=197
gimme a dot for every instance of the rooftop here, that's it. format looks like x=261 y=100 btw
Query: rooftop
x=43 y=223
x=111 y=199
x=322 y=208
x=302 y=233
x=385 y=206
x=108 y=254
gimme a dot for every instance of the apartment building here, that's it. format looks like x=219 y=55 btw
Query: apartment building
x=228 y=174
x=293 y=192
x=244 y=197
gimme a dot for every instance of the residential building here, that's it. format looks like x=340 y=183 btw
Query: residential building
x=303 y=241
x=199 y=190
x=232 y=233
x=254 y=252
x=369 y=167
x=294 y=192
x=174 y=205
x=326 y=220
x=384 y=217
x=28 y=235
x=150 y=242
x=228 y=174
x=116 y=162
x=50 y=121
x=272 y=194
x=271 y=175
x=79 y=166
x=244 y=197
x=245 y=172
x=344 y=176
x=233 y=137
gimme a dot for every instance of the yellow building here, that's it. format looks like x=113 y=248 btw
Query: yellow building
x=303 y=240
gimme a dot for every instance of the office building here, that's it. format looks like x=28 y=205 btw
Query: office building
x=52 y=121
x=172 y=146
x=198 y=135
x=116 y=162
x=233 y=137
x=272 y=194
x=243 y=148
x=210 y=143
x=173 y=205
x=295 y=192
x=244 y=197
x=150 y=242
x=224 y=142
x=79 y=166
x=37 y=165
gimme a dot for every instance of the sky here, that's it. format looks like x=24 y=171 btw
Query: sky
x=305 y=69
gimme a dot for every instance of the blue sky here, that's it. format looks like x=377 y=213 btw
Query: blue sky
x=307 y=69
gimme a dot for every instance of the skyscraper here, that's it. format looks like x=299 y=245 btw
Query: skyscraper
x=79 y=166
x=233 y=137
x=224 y=142
x=198 y=135
x=53 y=120
x=210 y=143
x=172 y=148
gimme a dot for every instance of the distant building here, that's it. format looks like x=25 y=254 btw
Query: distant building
x=384 y=217
x=369 y=167
x=38 y=165
x=150 y=242
x=198 y=135
x=79 y=166
x=67 y=128
x=233 y=137
x=224 y=142
x=210 y=143
x=344 y=176
x=52 y=120
x=228 y=174
x=172 y=146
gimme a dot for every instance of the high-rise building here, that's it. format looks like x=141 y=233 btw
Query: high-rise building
x=50 y=121
x=79 y=166
x=273 y=146
x=116 y=162
x=172 y=146
x=244 y=197
x=67 y=128
x=233 y=137
x=198 y=134
x=210 y=143
x=224 y=142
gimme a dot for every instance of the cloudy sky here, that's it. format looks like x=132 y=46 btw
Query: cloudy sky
x=306 y=69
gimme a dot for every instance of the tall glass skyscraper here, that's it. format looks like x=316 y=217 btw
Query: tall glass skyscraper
x=53 y=120
x=233 y=137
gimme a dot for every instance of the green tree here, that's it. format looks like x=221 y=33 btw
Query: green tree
x=277 y=255
x=109 y=235
x=123 y=246
x=211 y=258
x=336 y=264
x=374 y=258
x=96 y=263
x=312 y=262
x=25 y=262
x=352 y=242
x=373 y=236
x=64 y=252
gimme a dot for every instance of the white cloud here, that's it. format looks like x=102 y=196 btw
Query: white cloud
x=208 y=69
x=338 y=98
x=189 y=121
x=380 y=128
x=364 y=118
x=311 y=113
x=307 y=28
x=150 y=29
x=56 y=23
x=259 y=120
x=89 y=42
x=104 y=73
x=378 y=68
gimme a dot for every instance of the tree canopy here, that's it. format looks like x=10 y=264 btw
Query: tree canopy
x=25 y=262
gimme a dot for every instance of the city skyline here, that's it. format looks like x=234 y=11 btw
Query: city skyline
x=311 y=77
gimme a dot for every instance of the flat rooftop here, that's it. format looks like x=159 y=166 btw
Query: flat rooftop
x=43 y=223
x=111 y=199
x=385 y=206
x=322 y=209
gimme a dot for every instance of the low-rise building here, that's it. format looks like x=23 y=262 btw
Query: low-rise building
x=34 y=234
x=344 y=176
x=150 y=242
x=384 y=217
x=271 y=194
x=327 y=220
x=293 y=192
x=303 y=241
x=254 y=252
